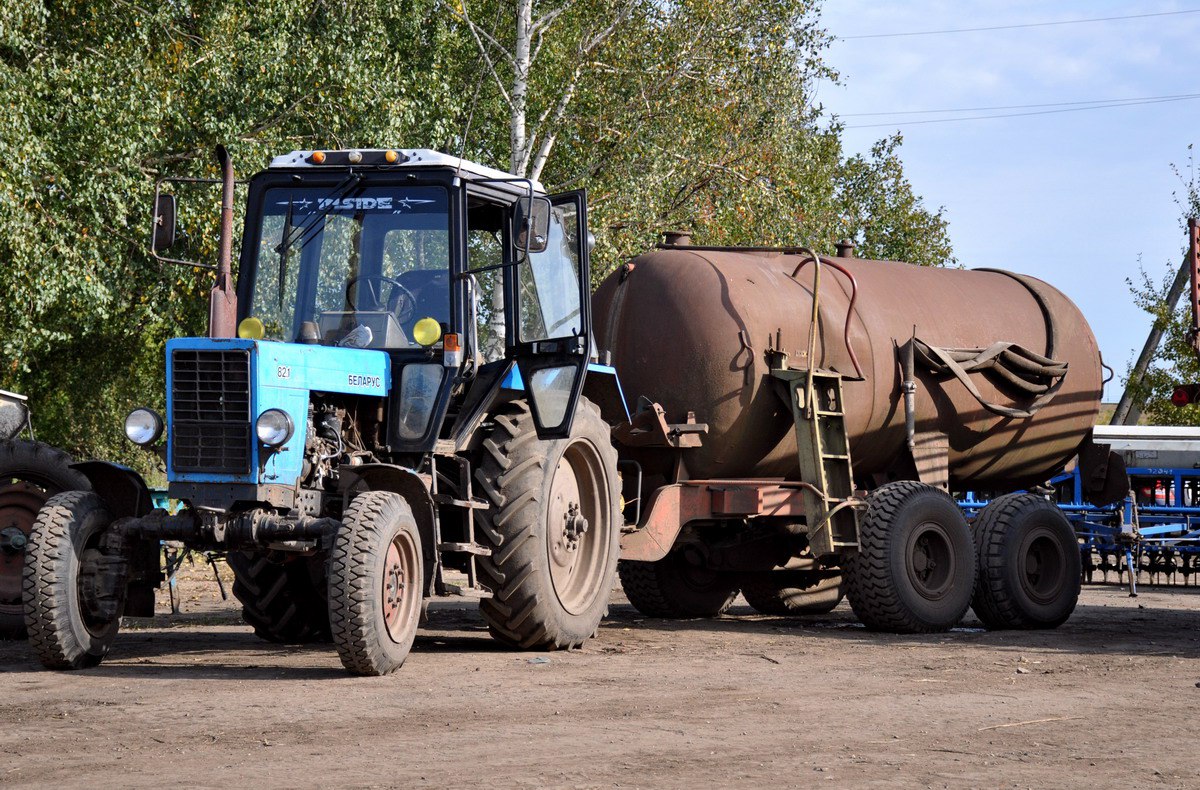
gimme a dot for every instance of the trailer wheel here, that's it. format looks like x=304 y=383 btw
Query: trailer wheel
x=552 y=528
x=673 y=588
x=787 y=593
x=915 y=569
x=71 y=622
x=1029 y=564
x=30 y=473
x=286 y=601
x=375 y=581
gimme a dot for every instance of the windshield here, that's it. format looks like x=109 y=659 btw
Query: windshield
x=363 y=264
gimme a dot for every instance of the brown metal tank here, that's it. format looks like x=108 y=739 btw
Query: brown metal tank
x=689 y=327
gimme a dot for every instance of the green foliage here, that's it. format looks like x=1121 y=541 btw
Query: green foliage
x=1177 y=361
x=675 y=113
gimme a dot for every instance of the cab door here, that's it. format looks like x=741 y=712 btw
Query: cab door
x=552 y=317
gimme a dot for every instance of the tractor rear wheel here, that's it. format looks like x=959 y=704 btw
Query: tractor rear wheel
x=915 y=570
x=30 y=473
x=284 y=600
x=375 y=584
x=1029 y=564
x=673 y=588
x=786 y=593
x=72 y=613
x=553 y=529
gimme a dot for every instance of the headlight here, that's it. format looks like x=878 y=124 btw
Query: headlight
x=274 y=427
x=143 y=427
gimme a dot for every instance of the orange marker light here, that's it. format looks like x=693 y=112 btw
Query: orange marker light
x=390 y=157
x=452 y=356
x=318 y=157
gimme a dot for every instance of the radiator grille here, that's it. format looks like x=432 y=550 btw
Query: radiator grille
x=210 y=411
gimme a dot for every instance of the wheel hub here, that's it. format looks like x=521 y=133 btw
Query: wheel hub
x=930 y=561
x=401 y=593
x=578 y=496
x=574 y=527
x=19 y=505
x=1043 y=573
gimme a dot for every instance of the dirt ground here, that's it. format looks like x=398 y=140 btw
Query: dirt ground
x=747 y=700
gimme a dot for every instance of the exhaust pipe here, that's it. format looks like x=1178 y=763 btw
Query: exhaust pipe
x=222 y=300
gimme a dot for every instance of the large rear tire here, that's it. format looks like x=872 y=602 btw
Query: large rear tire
x=673 y=588
x=789 y=593
x=30 y=473
x=1029 y=564
x=286 y=601
x=64 y=603
x=553 y=529
x=375 y=581
x=915 y=570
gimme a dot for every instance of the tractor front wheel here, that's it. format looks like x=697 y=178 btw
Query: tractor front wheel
x=74 y=595
x=375 y=578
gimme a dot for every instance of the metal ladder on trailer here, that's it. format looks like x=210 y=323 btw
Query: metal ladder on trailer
x=819 y=417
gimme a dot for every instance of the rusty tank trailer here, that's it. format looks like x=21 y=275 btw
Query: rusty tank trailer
x=688 y=327
x=802 y=418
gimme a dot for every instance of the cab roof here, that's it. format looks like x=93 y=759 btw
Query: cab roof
x=406 y=159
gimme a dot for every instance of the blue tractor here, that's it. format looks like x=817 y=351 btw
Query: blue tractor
x=398 y=401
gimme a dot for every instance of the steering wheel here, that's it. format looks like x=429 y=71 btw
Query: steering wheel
x=401 y=301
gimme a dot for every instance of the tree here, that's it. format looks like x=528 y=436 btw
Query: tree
x=1176 y=361
x=671 y=113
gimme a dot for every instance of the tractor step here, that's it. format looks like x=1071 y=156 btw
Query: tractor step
x=466 y=548
x=466 y=591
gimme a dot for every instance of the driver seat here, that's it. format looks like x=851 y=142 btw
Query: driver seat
x=431 y=289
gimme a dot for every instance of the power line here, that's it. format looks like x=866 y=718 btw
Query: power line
x=1024 y=114
x=1097 y=102
x=1017 y=27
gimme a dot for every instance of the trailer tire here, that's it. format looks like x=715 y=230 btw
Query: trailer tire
x=30 y=473
x=64 y=630
x=1029 y=565
x=285 y=602
x=789 y=593
x=915 y=569
x=553 y=529
x=674 y=589
x=375 y=584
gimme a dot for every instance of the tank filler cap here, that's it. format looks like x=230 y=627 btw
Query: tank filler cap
x=677 y=238
x=845 y=248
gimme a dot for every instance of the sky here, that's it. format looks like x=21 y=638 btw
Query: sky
x=1078 y=199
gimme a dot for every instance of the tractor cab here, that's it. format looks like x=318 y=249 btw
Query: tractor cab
x=446 y=266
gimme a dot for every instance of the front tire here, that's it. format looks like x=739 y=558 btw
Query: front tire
x=375 y=584
x=67 y=628
x=1029 y=564
x=673 y=588
x=553 y=529
x=915 y=569
x=30 y=473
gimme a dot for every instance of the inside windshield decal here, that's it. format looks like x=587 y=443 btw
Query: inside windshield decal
x=388 y=204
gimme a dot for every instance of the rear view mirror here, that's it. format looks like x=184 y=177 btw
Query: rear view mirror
x=164 y=223
x=531 y=224
x=14 y=415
